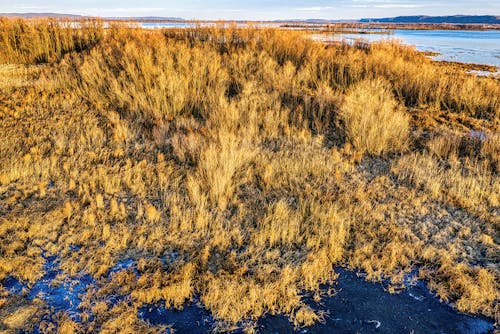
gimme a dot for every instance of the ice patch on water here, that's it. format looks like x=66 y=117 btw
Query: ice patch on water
x=124 y=265
x=356 y=306
x=59 y=296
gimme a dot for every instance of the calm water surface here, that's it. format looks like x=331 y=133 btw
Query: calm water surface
x=465 y=46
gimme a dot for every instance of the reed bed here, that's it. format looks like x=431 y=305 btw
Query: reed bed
x=231 y=165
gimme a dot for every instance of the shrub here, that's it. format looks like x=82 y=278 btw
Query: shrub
x=373 y=120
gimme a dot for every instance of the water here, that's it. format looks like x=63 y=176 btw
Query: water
x=357 y=306
x=59 y=296
x=170 y=25
x=464 y=46
x=166 y=25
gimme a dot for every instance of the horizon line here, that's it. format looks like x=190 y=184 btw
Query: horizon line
x=2 y=14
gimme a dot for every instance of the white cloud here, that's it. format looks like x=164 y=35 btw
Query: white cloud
x=314 y=9
x=397 y=5
x=127 y=10
x=26 y=7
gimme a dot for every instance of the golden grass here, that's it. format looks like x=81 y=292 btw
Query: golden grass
x=40 y=41
x=18 y=319
x=471 y=184
x=373 y=120
x=238 y=156
x=17 y=315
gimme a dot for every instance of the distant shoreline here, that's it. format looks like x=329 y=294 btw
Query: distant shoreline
x=457 y=22
x=399 y=26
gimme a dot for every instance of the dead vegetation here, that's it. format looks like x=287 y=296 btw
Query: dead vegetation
x=241 y=165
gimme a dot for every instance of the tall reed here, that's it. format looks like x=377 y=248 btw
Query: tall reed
x=45 y=40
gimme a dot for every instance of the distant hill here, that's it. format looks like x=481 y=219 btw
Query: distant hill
x=40 y=15
x=315 y=21
x=71 y=16
x=456 y=19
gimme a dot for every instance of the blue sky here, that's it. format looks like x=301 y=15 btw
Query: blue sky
x=257 y=9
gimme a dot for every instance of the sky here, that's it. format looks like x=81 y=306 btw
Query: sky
x=256 y=9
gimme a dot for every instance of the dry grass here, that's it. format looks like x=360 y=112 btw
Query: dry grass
x=373 y=120
x=40 y=41
x=17 y=315
x=19 y=319
x=471 y=184
x=231 y=164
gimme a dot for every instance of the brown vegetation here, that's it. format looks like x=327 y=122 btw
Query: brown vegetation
x=373 y=120
x=237 y=157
